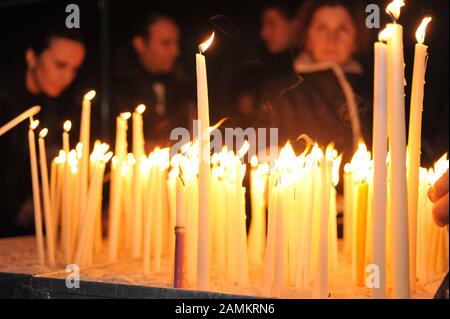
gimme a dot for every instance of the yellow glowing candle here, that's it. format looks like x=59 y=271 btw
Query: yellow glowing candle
x=46 y=198
x=138 y=151
x=379 y=159
x=414 y=142
x=66 y=142
x=117 y=185
x=36 y=192
x=85 y=127
x=204 y=169
x=397 y=150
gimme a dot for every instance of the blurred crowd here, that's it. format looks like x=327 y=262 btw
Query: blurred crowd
x=309 y=79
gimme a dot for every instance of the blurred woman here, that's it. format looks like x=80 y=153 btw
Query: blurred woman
x=327 y=102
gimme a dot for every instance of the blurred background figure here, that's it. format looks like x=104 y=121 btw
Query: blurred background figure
x=257 y=84
x=148 y=74
x=43 y=77
x=329 y=103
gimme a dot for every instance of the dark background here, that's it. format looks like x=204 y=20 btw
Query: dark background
x=107 y=26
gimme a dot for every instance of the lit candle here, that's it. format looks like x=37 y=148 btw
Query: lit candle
x=36 y=192
x=321 y=280
x=46 y=198
x=397 y=150
x=204 y=169
x=138 y=151
x=115 y=198
x=414 y=142
x=379 y=149
x=84 y=140
x=66 y=141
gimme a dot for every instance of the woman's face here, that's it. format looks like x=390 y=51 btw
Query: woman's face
x=331 y=36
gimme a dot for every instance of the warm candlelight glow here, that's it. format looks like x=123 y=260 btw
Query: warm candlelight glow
x=393 y=8
x=205 y=45
x=140 y=108
x=360 y=163
x=89 y=95
x=386 y=33
x=67 y=126
x=244 y=149
x=254 y=161
x=34 y=124
x=43 y=133
x=107 y=157
x=126 y=115
x=421 y=30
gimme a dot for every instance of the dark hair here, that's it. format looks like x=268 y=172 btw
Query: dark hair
x=151 y=18
x=354 y=8
x=42 y=39
x=287 y=8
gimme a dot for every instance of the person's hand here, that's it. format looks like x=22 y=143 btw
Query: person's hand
x=438 y=194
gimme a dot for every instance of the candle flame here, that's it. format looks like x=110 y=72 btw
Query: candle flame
x=360 y=163
x=79 y=149
x=386 y=33
x=205 y=45
x=254 y=161
x=67 y=126
x=89 y=95
x=131 y=159
x=335 y=170
x=347 y=168
x=215 y=159
x=34 y=124
x=43 y=133
x=393 y=9
x=72 y=158
x=244 y=149
x=420 y=33
x=125 y=115
x=140 y=108
x=215 y=126
x=107 y=157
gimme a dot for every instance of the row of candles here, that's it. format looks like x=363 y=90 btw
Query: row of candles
x=195 y=201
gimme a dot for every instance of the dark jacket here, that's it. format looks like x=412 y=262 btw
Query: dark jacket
x=134 y=85
x=320 y=105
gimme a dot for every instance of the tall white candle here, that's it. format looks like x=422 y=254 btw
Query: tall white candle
x=138 y=151
x=46 y=198
x=414 y=142
x=84 y=140
x=204 y=168
x=36 y=192
x=397 y=150
x=379 y=149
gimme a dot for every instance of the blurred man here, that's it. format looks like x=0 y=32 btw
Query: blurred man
x=152 y=79
x=51 y=62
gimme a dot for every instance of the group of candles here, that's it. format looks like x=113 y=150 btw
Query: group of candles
x=191 y=206
x=362 y=241
x=301 y=241
x=396 y=185
x=71 y=196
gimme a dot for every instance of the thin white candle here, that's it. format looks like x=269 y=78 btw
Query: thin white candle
x=414 y=142
x=46 y=198
x=397 y=150
x=379 y=149
x=36 y=192
x=204 y=169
